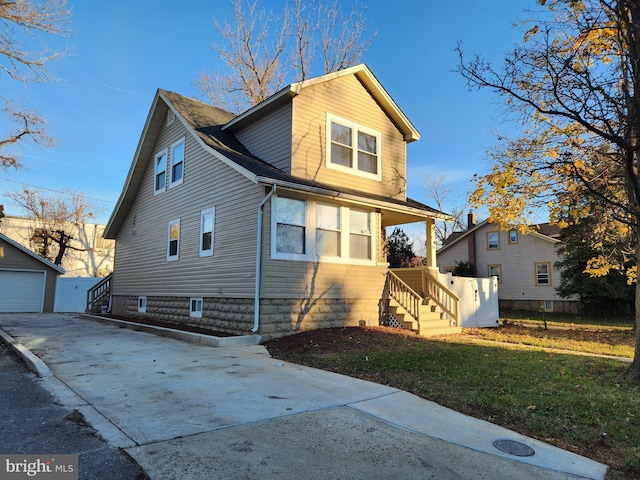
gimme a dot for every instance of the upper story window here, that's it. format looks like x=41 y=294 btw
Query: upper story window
x=493 y=240
x=177 y=163
x=353 y=148
x=309 y=230
x=513 y=236
x=160 y=177
x=207 y=218
x=173 y=240
x=543 y=273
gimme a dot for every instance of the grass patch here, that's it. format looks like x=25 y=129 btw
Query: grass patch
x=617 y=342
x=564 y=319
x=575 y=402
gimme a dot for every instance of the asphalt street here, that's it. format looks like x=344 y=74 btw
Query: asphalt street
x=31 y=422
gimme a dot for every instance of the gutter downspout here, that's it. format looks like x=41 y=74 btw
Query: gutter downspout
x=256 y=301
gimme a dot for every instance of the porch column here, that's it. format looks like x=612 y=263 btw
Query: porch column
x=430 y=244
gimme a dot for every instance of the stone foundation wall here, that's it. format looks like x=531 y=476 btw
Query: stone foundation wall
x=285 y=316
x=229 y=315
x=278 y=317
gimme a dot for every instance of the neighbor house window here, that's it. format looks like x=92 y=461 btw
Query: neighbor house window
x=546 y=305
x=328 y=238
x=170 y=117
x=177 y=163
x=195 y=309
x=493 y=240
x=207 y=220
x=173 y=241
x=160 y=178
x=360 y=235
x=513 y=236
x=308 y=230
x=142 y=304
x=495 y=271
x=543 y=273
x=353 y=148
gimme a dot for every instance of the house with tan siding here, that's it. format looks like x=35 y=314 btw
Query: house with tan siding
x=272 y=221
x=524 y=264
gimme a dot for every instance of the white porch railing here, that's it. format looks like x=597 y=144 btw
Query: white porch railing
x=99 y=294
x=442 y=296
x=402 y=293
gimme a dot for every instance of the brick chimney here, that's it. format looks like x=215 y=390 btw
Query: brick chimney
x=471 y=238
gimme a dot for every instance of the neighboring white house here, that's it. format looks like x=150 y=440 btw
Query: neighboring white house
x=92 y=255
x=523 y=264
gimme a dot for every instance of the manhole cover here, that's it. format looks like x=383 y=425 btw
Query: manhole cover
x=514 y=448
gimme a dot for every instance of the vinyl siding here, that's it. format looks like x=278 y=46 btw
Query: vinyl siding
x=141 y=267
x=269 y=138
x=13 y=259
x=312 y=280
x=346 y=98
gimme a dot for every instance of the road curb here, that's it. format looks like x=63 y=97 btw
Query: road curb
x=34 y=363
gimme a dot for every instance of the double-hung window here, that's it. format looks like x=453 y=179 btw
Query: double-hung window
x=353 y=148
x=309 y=230
x=290 y=226
x=493 y=241
x=543 y=273
x=173 y=240
x=177 y=163
x=328 y=238
x=495 y=271
x=360 y=234
x=160 y=177
x=207 y=220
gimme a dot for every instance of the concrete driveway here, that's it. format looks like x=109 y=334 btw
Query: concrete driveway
x=196 y=412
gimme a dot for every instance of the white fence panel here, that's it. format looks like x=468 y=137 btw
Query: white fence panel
x=478 y=300
x=71 y=293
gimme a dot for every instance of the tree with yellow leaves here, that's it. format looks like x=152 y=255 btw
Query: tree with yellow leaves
x=574 y=82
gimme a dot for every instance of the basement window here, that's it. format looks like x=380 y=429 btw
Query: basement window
x=142 y=304
x=195 y=310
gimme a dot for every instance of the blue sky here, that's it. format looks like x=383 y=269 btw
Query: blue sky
x=121 y=51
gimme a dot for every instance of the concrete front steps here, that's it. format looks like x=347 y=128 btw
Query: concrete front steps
x=432 y=320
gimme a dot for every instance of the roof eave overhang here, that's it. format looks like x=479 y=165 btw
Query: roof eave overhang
x=408 y=213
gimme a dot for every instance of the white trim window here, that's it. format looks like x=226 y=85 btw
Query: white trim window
x=290 y=228
x=353 y=148
x=328 y=234
x=310 y=231
x=177 y=163
x=142 y=304
x=195 y=307
x=160 y=175
x=173 y=240
x=207 y=222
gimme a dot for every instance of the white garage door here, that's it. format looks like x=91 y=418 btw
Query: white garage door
x=21 y=291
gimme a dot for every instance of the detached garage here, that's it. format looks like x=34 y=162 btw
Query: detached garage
x=27 y=281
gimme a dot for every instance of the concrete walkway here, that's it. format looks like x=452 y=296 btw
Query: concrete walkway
x=196 y=412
